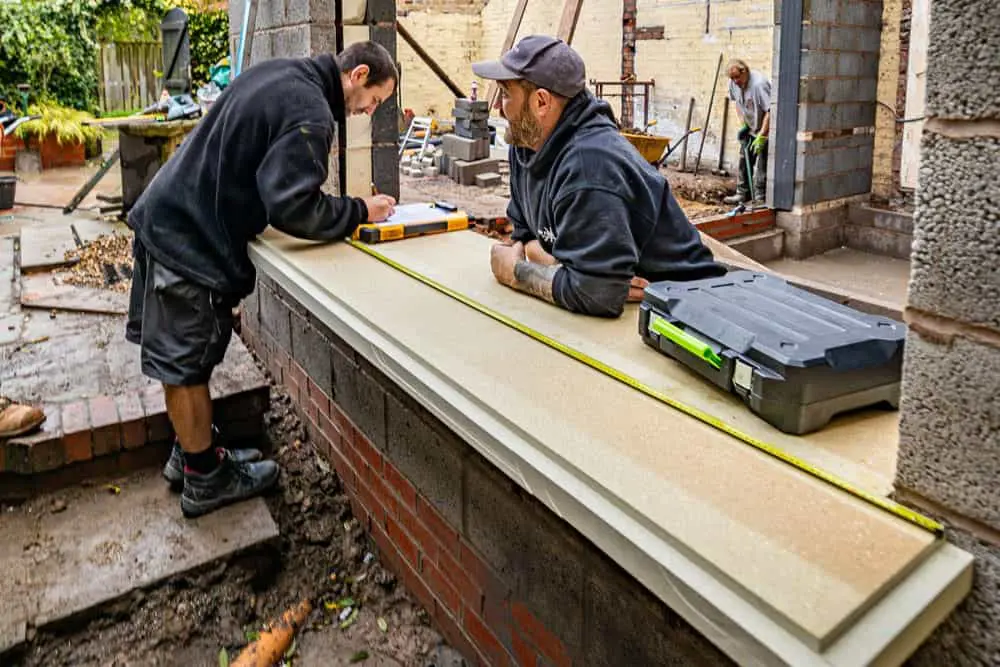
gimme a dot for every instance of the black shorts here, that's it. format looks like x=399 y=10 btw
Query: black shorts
x=183 y=328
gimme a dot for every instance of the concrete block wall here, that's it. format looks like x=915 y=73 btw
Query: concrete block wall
x=835 y=124
x=950 y=415
x=301 y=28
x=502 y=578
x=839 y=78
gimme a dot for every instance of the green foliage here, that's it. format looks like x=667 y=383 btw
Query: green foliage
x=64 y=123
x=50 y=45
x=209 y=33
x=53 y=44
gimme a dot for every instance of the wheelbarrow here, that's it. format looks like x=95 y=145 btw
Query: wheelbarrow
x=654 y=149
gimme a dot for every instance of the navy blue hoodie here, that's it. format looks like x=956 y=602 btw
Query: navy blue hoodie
x=258 y=157
x=602 y=211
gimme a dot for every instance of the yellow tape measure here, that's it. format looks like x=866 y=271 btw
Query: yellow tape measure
x=894 y=508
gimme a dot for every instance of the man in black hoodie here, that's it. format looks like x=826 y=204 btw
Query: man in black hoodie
x=258 y=157
x=593 y=221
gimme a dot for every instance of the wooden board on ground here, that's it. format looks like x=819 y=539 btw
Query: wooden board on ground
x=90 y=230
x=809 y=555
x=41 y=290
x=45 y=246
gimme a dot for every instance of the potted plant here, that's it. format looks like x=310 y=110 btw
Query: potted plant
x=59 y=135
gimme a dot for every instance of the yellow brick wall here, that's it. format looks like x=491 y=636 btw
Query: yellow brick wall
x=684 y=62
x=456 y=33
x=598 y=35
x=883 y=178
x=452 y=38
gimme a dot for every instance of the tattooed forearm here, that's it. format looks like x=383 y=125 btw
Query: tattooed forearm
x=535 y=279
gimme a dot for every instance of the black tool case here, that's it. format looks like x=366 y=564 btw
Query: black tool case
x=795 y=358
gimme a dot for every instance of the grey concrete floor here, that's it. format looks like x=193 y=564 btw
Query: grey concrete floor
x=866 y=274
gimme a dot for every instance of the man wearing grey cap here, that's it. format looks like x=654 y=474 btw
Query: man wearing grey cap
x=593 y=221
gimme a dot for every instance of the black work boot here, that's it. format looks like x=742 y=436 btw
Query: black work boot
x=173 y=471
x=232 y=481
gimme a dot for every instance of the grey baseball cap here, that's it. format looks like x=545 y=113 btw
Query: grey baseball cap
x=545 y=61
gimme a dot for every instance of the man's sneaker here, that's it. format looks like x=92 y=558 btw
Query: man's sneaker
x=736 y=199
x=173 y=472
x=231 y=482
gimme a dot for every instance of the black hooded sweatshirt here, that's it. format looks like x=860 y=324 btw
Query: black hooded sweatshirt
x=258 y=157
x=602 y=211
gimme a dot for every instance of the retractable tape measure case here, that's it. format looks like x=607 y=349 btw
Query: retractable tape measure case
x=795 y=358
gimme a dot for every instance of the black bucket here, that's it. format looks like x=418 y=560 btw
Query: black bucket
x=8 y=184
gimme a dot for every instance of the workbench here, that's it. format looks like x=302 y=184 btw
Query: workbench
x=773 y=564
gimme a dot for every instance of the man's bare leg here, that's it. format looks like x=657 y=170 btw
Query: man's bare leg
x=190 y=412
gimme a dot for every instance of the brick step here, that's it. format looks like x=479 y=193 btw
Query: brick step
x=114 y=434
x=725 y=227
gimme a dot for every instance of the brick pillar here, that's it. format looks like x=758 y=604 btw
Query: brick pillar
x=833 y=123
x=949 y=456
x=298 y=28
x=628 y=59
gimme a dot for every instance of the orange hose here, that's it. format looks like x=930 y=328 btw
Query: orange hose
x=271 y=645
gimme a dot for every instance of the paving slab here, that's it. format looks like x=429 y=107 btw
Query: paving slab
x=73 y=551
x=44 y=246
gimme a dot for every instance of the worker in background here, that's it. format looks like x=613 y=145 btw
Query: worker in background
x=258 y=157
x=750 y=92
x=593 y=221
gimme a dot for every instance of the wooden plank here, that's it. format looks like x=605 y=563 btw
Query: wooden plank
x=90 y=230
x=859 y=447
x=567 y=24
x=508 y=42
x=428 y=60
x=916 y=86
x=43 y=290
x=44 y=246
x=751 y=519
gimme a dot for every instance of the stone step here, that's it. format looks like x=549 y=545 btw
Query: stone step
x=70 y=554
x=763 y=246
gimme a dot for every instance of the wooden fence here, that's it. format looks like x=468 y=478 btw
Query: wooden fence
x=128 y=75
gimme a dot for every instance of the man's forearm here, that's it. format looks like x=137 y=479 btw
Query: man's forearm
x=535 y=279
x=765 y=125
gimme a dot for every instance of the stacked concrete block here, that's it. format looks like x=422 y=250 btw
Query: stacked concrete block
x=463 y=148
x=488 y=180
x=465 y=173
x=471 y=119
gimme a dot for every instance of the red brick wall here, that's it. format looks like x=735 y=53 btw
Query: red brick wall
x=505 y=581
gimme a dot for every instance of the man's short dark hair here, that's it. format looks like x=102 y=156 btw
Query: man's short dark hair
x=381 y=67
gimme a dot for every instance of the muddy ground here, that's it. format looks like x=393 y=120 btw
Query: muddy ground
x=700 y=196
x=323 y=556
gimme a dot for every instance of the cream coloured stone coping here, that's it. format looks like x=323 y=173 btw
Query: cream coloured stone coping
x=772 y=565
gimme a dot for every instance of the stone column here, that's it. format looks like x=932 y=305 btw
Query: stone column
x=365 y=150
x=949 y=456
x=830 y=162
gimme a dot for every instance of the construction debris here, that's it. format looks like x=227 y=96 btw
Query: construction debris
x=105 y=263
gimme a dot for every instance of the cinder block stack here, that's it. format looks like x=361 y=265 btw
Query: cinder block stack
x=466 y=153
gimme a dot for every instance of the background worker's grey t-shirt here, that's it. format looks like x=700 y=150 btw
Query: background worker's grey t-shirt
x=753 y=102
